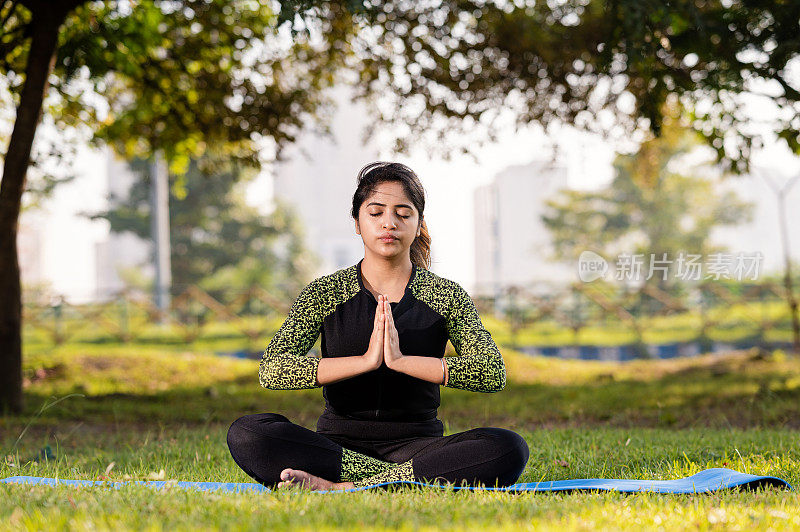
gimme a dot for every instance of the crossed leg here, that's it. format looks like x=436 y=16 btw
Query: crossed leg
x=488 y=456
x=264 y=445
x=276 y=452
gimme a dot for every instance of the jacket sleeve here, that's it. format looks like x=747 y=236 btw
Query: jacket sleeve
x=285 y=364
x=479 y=366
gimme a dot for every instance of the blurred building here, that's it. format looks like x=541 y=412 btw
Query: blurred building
x=119 y=251
x=512 y=245
x=56 y=242
x=762 y=233
x=30 y=246
x=318 y=180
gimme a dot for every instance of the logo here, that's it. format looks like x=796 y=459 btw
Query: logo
x=591 y=266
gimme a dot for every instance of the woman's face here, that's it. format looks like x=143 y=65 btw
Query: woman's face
x=388 y=211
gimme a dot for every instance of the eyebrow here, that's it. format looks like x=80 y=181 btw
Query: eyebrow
x=384 y=205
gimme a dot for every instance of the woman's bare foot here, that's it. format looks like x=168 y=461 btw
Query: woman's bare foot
x=296 y=477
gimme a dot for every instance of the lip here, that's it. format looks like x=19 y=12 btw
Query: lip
x=387 y=238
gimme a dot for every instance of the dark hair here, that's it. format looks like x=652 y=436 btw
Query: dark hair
x=380 y=172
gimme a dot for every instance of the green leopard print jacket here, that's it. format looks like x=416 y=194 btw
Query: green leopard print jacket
x=429 y=298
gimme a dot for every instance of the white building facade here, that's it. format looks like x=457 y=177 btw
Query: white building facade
x=319 y=185
x=119 y=251
x=512 y=245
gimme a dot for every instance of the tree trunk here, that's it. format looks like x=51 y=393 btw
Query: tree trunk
x=45 y=26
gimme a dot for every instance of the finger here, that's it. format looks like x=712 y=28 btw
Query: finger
x=389 y=320
x=393 y=329
x=387 y=336
x=390 y=315
x=378 y=316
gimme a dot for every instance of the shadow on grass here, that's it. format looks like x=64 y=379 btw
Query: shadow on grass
x=698 y=397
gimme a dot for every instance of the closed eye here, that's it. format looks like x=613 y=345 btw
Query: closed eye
x=400 y=215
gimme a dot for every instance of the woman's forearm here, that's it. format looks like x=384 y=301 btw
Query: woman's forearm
x=335 y=369
x=425 y=368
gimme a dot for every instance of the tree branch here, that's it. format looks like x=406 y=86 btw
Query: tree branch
x=8 y=13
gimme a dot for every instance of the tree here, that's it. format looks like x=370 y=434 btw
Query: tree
x=607 y=66
x=218 y=241
x=649 y=208
x=186 y=77
x=440 y=68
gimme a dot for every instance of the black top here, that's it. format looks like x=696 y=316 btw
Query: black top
x=432 y=311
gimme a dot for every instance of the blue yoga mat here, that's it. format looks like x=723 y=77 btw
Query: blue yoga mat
x=702 y=482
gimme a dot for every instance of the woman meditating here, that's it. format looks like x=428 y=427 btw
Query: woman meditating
x=384 y=323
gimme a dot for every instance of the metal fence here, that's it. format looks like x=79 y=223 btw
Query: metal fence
x=251 y=313
x=131 y=315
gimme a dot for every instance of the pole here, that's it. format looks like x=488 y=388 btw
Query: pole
x=780 y=193
x=159 y=201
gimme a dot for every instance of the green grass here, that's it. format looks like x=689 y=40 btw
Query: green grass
x=143 y=410
x=186 y=454
x=132 y=384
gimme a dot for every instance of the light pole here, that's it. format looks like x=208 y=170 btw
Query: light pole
x=780 y=194
x=159 y=227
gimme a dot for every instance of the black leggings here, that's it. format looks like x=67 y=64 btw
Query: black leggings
x=265 y=444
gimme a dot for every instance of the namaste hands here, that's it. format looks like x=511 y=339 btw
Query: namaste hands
x=384 y=345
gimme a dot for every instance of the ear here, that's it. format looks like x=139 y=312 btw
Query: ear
x=358 y=229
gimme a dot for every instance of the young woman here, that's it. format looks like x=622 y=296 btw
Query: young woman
x=384 y=323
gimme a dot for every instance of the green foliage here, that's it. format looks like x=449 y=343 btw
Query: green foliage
x=608 y=66
x=648 y=208
x=189 y=77
x=175 y=73
x=218 y=241
x=312 y=10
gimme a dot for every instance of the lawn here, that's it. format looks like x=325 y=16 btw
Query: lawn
x=95 y=412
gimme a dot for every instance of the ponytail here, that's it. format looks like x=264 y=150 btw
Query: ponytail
x=421 y=248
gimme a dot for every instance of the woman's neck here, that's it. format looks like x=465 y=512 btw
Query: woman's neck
x=386 y=275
